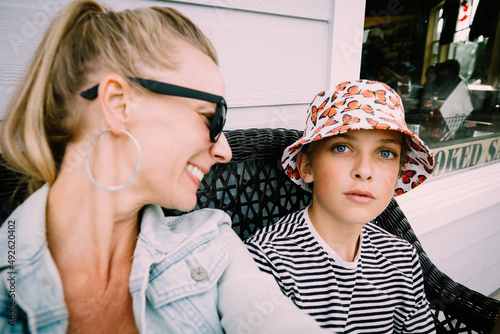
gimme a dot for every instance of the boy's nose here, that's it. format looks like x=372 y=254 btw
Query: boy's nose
x=363 y=170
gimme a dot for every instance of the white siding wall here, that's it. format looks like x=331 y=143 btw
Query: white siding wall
x=275 y=55
x=22 y=24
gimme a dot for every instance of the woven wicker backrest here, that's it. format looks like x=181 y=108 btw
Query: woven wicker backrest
x=252 y=188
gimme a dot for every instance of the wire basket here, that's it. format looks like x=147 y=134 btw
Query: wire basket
x=453 y=124
x=436 y=127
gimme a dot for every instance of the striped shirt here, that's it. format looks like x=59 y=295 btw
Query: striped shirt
x=382 y=291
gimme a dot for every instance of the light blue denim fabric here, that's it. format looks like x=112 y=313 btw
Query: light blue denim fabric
x=190 y=274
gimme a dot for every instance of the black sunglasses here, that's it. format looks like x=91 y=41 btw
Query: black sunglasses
x=219 y=119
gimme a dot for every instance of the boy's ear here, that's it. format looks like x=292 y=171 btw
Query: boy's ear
x=114 y=93
x=304 y=167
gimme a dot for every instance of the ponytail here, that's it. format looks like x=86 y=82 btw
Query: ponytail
x=25 y=129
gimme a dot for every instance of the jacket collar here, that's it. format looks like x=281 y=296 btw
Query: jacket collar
x=176 y=237
x=38 y=284
x=28 y=221
x=160 y=235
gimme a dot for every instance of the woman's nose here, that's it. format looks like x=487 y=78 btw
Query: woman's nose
x=221 y=151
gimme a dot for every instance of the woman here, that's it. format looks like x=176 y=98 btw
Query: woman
x=119 y=114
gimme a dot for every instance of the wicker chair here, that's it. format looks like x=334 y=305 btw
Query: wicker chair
x=254 y=191
x=11 y=193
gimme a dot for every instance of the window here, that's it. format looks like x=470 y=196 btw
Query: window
x=443 y=57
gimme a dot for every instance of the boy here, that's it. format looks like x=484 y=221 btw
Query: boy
x=342 y=269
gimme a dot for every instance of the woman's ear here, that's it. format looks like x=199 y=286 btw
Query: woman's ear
x=304 y=167
x=114 y=94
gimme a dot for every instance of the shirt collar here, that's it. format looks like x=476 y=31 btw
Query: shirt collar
x=329 y=250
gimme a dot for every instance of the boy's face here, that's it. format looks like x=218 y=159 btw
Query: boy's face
x=354 y=174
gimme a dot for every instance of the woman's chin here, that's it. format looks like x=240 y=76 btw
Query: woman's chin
x=184 y=205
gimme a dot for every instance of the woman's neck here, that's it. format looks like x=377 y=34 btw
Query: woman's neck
x=89 y=228
x=92 y=237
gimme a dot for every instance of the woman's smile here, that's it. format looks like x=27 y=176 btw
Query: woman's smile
x=195 y=172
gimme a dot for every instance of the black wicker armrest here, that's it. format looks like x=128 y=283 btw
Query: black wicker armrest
x=456 y=308
x=12 y=192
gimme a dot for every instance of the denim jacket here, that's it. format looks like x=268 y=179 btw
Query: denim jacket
x=190 y=274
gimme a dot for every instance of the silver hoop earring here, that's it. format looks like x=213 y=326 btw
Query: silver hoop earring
x=121 y=186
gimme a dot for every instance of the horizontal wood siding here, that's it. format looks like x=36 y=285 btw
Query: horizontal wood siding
x=317 y=9
x=22 y=25
x=273 y=54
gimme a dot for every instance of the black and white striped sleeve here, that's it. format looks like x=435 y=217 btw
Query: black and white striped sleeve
x=259 y=255
x=420 y=319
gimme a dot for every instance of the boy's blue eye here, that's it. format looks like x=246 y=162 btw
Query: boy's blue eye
x=340 y=148
x=387 y=154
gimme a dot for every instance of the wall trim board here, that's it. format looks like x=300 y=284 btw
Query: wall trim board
x=314 y=10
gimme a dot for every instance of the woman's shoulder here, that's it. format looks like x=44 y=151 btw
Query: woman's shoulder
x=198 y=219
x=156 y=227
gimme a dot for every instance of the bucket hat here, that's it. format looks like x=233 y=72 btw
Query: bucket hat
x=360 y=105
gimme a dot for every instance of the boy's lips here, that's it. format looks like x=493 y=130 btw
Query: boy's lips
x=360 y=196
x=358 y=192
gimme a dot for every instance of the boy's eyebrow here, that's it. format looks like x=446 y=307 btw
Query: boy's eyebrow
x=344 y=135
x=383 y=141
x=389 y=141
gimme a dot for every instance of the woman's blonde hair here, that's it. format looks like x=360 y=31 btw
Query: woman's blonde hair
x=41 y=118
